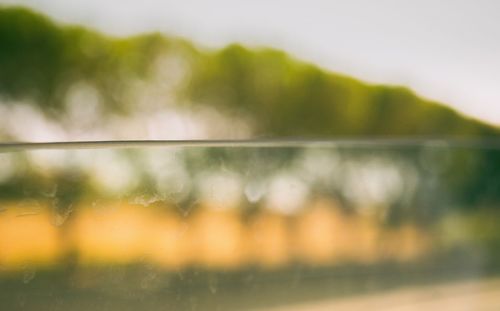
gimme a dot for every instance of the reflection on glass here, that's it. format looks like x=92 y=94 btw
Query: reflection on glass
x=250 y=228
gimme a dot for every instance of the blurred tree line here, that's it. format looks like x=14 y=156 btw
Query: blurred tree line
x=276 y=94
x=282 y=96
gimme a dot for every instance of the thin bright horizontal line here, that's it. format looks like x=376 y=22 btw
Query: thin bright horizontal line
x=260 y=143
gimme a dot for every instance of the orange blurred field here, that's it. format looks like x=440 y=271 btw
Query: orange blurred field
x=28 y=237
x=213 y=238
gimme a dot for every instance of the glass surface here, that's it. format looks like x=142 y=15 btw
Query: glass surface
x=256 y=225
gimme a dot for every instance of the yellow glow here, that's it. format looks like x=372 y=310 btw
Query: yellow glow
x=118 y=233
x=269 y=240
x=121 y=233
x=218 y=238
x=169 y=245
x=325 y=235
x=27 y=236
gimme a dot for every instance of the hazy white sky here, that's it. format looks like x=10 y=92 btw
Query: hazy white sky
x=446 y=50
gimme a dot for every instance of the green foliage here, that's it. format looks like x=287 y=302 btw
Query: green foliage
x=31 y=54
x=290 y=98
x=282 y=96
x=40 y=60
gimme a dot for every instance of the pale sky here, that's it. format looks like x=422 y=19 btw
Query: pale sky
x=446 y=50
